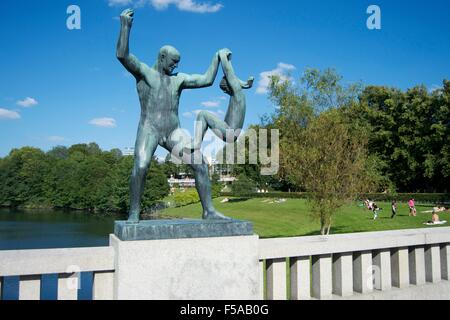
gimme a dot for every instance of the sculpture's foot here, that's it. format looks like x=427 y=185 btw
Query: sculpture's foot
x=214 y=215
x=133 y=219
x=248 y=84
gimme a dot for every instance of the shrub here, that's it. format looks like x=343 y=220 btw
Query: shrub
x=189 y=196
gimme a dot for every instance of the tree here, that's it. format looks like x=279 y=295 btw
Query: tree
x=156 y=187
x=81 y=177
x=321 y=150
x=409 y=134
x=216 y=186
x=330 y=162
x=22 y=175
x=298 y=104
x=243 y=185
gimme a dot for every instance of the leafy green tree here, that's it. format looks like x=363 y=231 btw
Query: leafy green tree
x=216 y=186
x=156 y=187
x=80 y=177
x=330 y=161
x=22 y=175
x=243 y=185
x=321 y=150
x=409 y=134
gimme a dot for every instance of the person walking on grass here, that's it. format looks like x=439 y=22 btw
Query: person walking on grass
x=394 y=209
x=412 y=208
x=375 y=210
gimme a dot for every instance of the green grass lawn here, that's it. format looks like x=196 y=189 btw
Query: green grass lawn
x=292 y=218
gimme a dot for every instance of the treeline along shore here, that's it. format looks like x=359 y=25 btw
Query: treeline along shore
x=81 y=177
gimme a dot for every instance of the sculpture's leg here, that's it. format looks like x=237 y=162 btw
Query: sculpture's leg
x=146 y=145
x=203 y=185
x=176 y=144
x=220 y=128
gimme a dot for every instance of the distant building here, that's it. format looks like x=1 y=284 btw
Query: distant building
x=182 y=183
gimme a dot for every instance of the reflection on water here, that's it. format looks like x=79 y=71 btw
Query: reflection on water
x=46 y=229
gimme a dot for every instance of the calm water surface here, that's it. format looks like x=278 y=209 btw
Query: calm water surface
x=47 y=229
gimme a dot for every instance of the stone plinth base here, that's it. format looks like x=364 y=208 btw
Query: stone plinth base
x=219 y=268
x=181 y=229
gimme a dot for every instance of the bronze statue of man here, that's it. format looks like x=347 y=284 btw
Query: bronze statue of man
x=159 y=92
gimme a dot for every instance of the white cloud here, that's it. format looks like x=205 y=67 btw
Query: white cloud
x=104 y=122
x=282 y=70
x=435 y=87
x=190 y=114
x=56 y=139
x=119 y=3
x=27 y=102
x=182 y=5
x=187 y=114
x=8 y=114
x=210 y=104
x=188 y=5
x=286 y=66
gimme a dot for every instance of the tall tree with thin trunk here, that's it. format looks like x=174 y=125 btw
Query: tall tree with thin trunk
x=329 y=160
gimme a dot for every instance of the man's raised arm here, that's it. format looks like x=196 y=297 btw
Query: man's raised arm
x=129 y=61
x=194 y=81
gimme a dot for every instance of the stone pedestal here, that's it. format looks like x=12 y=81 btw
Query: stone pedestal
x=191 y=268
x=181 y=229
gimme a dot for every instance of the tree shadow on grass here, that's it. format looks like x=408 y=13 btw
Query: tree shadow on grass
x=237 y=200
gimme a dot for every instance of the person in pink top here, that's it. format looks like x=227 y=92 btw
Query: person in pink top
x=412 y=208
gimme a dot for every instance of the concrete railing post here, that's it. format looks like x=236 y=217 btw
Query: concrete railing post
x=322 y=287
x=300 y=278
x=363 y=272
x=445 y=261
x=68 y=286
x=30 y=288
x=433 y=263
x=343 y=274
x=276 y=279
x=103 y=287
x=262 y=292
x=382 y=261
x=400 y=267
x=417 y=265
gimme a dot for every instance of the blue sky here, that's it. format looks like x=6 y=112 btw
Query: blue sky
x=61 y=87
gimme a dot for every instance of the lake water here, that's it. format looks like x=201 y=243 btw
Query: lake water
x=47 y=229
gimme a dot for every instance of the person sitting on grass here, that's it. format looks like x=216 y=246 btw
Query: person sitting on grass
x=435 y=218
x=436 y=209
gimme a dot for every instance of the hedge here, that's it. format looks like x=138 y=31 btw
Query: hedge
x=401 y=197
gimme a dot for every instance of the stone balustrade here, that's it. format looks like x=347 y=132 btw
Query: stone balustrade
x=30 y=265
x=401 y=264
x=405 y=264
